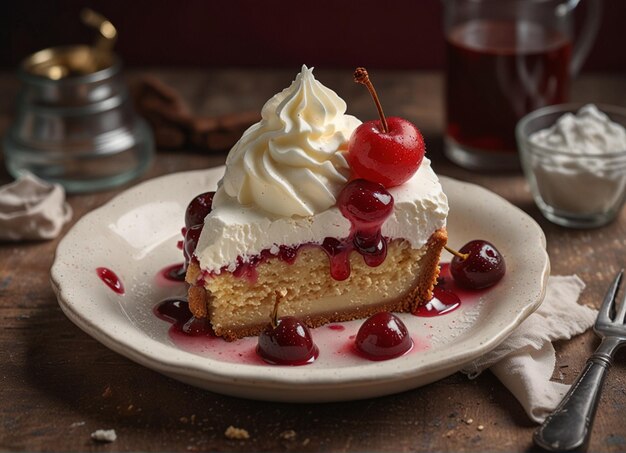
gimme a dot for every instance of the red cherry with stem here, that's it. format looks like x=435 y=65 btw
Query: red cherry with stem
x=477 y=265
x=286 y=341
x=198 y=209
x=388 y=151
x=383 y=336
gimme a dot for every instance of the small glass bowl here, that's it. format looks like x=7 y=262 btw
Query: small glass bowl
x=572 y=189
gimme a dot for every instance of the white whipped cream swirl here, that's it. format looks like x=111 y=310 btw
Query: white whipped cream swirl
x=291 y=163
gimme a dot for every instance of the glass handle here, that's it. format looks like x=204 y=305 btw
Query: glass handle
x=587 y=35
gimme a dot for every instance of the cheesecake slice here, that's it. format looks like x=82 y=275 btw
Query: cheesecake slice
x=276 y=226
x=240 y=306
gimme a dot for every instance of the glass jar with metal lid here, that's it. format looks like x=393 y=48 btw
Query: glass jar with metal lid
x=75 y=122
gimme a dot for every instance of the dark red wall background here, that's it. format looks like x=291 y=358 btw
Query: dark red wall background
x=386 y=34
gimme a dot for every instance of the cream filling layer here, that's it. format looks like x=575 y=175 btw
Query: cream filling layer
x=355 y=301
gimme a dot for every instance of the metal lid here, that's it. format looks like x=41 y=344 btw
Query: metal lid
x=58 y=63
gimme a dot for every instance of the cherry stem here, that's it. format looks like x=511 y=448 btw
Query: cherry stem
x=274 y=315
x=361 y=76
x=463 y=256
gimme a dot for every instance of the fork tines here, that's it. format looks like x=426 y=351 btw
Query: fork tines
x=608 y=309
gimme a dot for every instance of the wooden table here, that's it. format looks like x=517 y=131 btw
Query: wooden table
x=58 y=384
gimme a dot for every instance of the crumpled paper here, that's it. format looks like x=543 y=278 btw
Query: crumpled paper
x=31 y=208
x=525 y=361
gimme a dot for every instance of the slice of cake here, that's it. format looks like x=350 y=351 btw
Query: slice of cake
x=285 y=219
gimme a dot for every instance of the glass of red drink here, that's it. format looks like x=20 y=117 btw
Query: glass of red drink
x=506 y=58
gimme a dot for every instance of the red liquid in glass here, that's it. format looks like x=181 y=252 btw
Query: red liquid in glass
x=497 y=72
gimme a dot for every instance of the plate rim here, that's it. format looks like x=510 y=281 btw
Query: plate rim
x=191 y=366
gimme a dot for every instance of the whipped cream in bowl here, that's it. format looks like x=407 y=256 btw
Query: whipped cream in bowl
x=574 y=157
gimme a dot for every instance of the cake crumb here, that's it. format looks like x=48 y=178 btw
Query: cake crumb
x=236 y=433
x=480 y=427
x=104 y=435
x=469 y=421
x=290 y=434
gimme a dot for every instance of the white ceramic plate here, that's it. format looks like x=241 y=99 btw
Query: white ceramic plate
x=135 y=235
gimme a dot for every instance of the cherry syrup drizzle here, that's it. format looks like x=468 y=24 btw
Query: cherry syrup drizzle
x=176 y=311
x=366 y=205
x=448 y=296
x=174 y=272
x=111 y=279
x=443 y=302
x=248 y=269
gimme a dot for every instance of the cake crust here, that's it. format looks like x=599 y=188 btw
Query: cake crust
x=200 y=299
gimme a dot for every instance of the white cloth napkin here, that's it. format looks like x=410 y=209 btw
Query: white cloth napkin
x=525 y=361
x=31 y=208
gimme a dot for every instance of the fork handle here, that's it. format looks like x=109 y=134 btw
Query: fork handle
x=568 y=427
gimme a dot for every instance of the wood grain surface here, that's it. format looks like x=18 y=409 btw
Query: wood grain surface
x=57 y=384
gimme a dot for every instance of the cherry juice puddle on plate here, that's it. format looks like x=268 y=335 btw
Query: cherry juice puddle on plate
x=335 y=341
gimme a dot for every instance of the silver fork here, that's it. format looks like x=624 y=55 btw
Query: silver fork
x=568 y=428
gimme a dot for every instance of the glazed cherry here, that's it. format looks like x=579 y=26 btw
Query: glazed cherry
x=286 y=341
x=383 y=336
x=198 y=209
x=390 y=156
x=478 y=264
x=388 y=151
x=192 y=235
x=365 y=203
